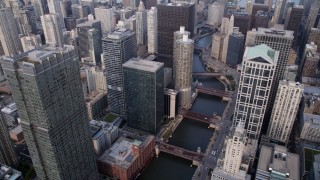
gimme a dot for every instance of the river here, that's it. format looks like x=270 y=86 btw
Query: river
x=189 y=134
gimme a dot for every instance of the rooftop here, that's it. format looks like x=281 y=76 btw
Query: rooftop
x=143 y=65
x=9 y=108
x=119 y=33
x=276 y=31
x=87 y=23
x=261 y=51
x=95 y=96
x=7 y=172
x=16 y=130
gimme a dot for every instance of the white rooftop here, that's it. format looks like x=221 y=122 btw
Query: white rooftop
x=143 y=65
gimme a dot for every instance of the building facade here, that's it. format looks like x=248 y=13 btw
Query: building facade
x=235 y=48
x=105 y=15
x=118 y=48
x=49 y=98
x=258 y=70
x=285 y=110
x=52 y=29
x=30 y=42
x=143 y=89
x=215 y=14
x=141 y=24
x=152 y=27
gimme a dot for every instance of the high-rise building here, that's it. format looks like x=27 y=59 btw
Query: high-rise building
x=259 y=8
x=293 y=21
x=30 y=42
x=55 y=8
x=234 y=150
x=313 y=15
x=235 y=48
x=39 y=7
x=80 y=10
x=26 y=22
x=105 y=15
x=170 y=103
x=89 y=39
x=285 y=110
x=170 y=17
x=141 y=25
x=215 y=14
x=242 y=19
x=279 y=40
x=217 y=45
x=182 y=70
x=258 y=71
x=152 y=27
x=178 y=35
x=9 y=36
x=46 y=86
x=228 y=30
x=52 y=29
x=149 y=3
x=261 y=19
x=143 y=89
x=118 y=48
x=7 y=152
x=277 y=163
x=314 y=36
x=277 y=16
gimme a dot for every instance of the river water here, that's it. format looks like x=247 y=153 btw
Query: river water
x=189 y=134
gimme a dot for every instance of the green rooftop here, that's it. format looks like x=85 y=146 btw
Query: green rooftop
x=262 y=51
x=109 y=118
x=309 y=157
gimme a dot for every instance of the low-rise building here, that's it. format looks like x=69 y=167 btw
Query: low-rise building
x=103 y=135
x=277 y=163
x=291 y=72
x=16 y=134
x=126 y=157
x=8 y=173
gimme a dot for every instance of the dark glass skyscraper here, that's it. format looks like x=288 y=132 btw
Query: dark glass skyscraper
x=118 y=47
x=235 y=48
x=46 y=87
x=143 y=89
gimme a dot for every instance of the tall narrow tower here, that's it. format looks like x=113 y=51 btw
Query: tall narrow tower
x=285 y=110
x=258 y=70
x=182 y=70
x=47 y=89
x=118 y=47
x=52 y=29
x=141 y=17
x=105 y=15
x=152 y=23
x=55 y=8
x=9 y=36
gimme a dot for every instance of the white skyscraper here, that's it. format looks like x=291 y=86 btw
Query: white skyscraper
x=215 y=14
x=30 y=42
x=152 y=23
x=285 y=110
x=258 y=66
x=9 y=36
x=52 y=29
x=229 y=31
x=182 y=70
x=105 y=15
x=55 y=8
x=234 y=150
x=141 y=24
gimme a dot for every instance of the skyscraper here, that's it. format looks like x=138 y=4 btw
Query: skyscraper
x=118 y=48
x=143 y=89
x=170 y=17
x=9 y=33
x=293 y=21
x=277 y=17
x=80 y=10
x=279 y=40
x=141 y=24
x=285 y=110
x=152 y=23
x=178 y=35
x=235 y=48
x=7 y=152
x=215 y=14
x=52 y=29
x=313 y=14
x=242 y=19
x=46 y=86
x=258 y=70
x=30 y=42
x=234 y=150
x=105 y=15
x=229 y=30
x=182 y=70
x=55 y=8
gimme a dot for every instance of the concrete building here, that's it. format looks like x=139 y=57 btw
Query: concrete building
x=89 y=36
x=96 y=102
x=170 y=103
x=215 y=14
x=16 y=134
x=118 y=47
x=126 y=157
x=313 y=15
x=39 y=7
x=292 y=57
x=9 y=36
x=143 y=90
x=170 y=17
x=314 y=36
x=7 y=172
x=30 y=42
x=291 y=72
x=182 y=70
x=310 y=62
x=80 y=10
x=261 y=19
x=7 y=152
x=10 y=115
x=310 y=128
x=242 y=19
x=141 y=26
x=26 y=21
x=217 y=45
x=58 y=112
x=258 y=70
x=235 y=49
x=228 y=29
x=277 y=162
x=285 y=110
x=55 y=8
x=264 y=11
x=103 y=135
x=279 y=40
x=315 y=169
x=105 y=15
x=277 y=16
x=52 y=29
x=178 y=35
x=152 y=27
x=293 y=21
